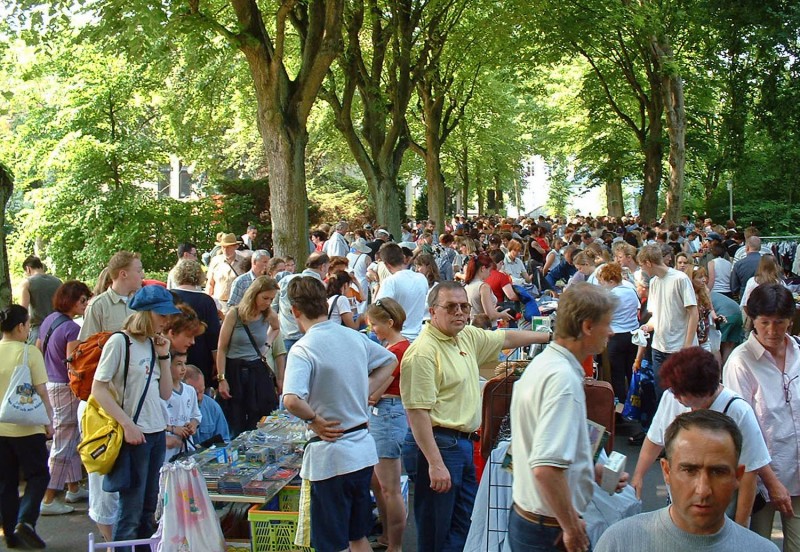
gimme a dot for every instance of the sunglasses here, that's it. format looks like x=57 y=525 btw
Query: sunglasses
x=453 y=308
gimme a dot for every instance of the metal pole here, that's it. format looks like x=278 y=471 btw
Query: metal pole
x=730 y=199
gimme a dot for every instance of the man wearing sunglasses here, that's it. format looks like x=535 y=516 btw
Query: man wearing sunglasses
x=440 y=390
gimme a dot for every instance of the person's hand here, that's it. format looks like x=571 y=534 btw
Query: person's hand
x=440 y=478
x=505 y=315
x=191 y=428
x=133 y=435
x=180 y=431
x=48 y=431
x=779 y=497
x=162 y=345
x=636 y=483
x=637 y=364
x=576 y=539
x=327 y=430
x=623 y=482
x=224 y=389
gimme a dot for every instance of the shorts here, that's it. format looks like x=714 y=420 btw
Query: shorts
x=341 y=510
x=388 y=426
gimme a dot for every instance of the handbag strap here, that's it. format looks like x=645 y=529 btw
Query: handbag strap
x=250 y=337
x=146 y=385
x=53 y=327
x=25 y=355
x=333 y=305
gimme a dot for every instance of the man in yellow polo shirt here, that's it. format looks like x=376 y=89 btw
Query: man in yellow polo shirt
x=441 y=394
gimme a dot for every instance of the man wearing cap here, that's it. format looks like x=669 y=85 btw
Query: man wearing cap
x=223 y=269
x=317 y=267
x=258 y=267
x=712 y=239
x=381 y=236
x=440 y=387
x=336 y=246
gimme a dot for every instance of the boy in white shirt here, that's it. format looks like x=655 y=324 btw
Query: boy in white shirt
x=182 y=411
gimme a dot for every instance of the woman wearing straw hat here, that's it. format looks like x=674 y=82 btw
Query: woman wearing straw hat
x=224 y=268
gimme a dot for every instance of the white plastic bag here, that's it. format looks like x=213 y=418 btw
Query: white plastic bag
x=22 y=405
x=188 y=521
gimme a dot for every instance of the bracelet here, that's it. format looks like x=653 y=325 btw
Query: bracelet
x=311 y=420
x=164 y=357
x=220 y=377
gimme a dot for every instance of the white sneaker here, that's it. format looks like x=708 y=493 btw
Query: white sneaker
x=55 y=508
x=77 y=496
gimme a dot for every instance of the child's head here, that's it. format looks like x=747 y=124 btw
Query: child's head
x=482 y=321
x=178 y=366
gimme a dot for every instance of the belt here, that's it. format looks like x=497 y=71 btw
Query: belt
x=474 y=437
x=317 y=438
x=545 y=521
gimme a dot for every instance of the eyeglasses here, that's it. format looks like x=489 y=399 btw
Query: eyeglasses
x=452 y=308
x=787 y=391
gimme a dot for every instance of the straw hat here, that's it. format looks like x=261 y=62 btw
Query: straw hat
x=228 y=239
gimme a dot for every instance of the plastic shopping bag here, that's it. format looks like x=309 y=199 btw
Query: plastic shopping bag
x=188 y=520
x=633 y=402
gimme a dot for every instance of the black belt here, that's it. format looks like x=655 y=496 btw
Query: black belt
x=474 y=437
x=317 y=438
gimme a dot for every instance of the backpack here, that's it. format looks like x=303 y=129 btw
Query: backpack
x=83 y=363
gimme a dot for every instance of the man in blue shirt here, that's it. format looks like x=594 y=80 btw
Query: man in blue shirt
x=213 y=422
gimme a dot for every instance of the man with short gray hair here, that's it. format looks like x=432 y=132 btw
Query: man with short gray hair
x=553 y=466
x=258 y=267
x=337 y=246
x=745 y=267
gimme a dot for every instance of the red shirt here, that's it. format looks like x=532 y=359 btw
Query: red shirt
x=496 y=280
x=399 y=349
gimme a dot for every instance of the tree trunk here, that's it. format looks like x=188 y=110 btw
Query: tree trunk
x=672 y=88
x=481 y=192
x=6 y=189
x=435 y=178
x=614 y=202
x=387 y=210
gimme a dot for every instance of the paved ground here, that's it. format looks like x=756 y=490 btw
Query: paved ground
x=69 y=533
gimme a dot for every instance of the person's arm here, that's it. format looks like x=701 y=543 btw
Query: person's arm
x=744 y=502
x=211 y=281
x=778 y=495
x=421 y=427
x=712 y=273
x=25 y=294
x=647 y=456
x=691 y=326
x=513 y=339
x=327 y=430
x=41 y=390
x=489 y=307
x=280 y=370
x=225 y=333
x=735 y=283
x=165 y=381
x=509 y=292
x=102 y=394
x=552 y=483
x=548 y=262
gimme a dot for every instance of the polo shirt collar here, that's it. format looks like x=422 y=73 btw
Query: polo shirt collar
x=438 y=334
x=116 y=297
x=566 y=353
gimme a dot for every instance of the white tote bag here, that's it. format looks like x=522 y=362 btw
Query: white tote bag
x=22 y=405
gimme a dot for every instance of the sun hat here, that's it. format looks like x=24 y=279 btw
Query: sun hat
x=153 y=298
x=228 y=239
x=360 y=246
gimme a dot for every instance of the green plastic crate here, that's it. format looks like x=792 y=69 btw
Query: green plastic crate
x=273 y=531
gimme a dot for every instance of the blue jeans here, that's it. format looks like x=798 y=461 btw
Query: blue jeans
x=525 y=536
x=443 y=519
x=287 y=343
x=658 y=359
x=137 y=506
x=29 y=455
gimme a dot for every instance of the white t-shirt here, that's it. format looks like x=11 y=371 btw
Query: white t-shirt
x=342 y=306
x=410 y=289
x=180 y=409
x=722 y=275
x=754 y=450
x=670 y=295
x=111 y=369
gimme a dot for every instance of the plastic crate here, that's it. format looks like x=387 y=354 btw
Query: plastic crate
x=274 y=530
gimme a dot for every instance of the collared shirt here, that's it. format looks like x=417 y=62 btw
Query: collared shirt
x=106 y=313
x=239 y=286
x=549 y=428
x=336 y=246
x=751 y=372
x=223 y=273
x=440 y=374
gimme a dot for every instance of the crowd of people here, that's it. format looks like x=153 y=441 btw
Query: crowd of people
x=376 y=345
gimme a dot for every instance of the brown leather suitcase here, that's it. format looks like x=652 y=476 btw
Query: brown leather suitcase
x=497 y=404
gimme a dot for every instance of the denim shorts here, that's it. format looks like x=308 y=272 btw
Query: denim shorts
x=388 y=425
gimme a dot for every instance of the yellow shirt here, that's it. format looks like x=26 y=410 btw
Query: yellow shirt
x=440 y=374
x=10 y=357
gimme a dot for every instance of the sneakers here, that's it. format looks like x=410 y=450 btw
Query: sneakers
x=55 y=508
x=77 y=496
x=27 y=537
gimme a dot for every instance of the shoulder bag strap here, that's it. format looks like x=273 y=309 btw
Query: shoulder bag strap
x=127 y=364
x=250 y=337
x=727 y=406
x=25 y=356
x=333 y=305
x=53 y=327
x=146 y=385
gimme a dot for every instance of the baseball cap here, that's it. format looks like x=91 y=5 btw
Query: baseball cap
x=153 y=298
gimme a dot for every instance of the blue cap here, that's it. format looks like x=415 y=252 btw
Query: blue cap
x=153 y=298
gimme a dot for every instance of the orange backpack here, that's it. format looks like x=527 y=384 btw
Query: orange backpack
x=84 y=360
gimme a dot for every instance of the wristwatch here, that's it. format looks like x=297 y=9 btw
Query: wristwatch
x=164 y=357
x=311 y=420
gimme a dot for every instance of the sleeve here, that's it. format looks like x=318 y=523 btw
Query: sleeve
x=297 y=379
x=36 y=365
x=418 y=385
x=687 y=292
x=735 y=283
x=664 y=415
x=194 y=413
x=91 y=321
x=735 y=376
x=111 y=359
x=278 y=346
x=755 y=454
x=237 y=291
x=377 y=355
x=221 y=426
x=342 y=305
x=71 y=331
x=554 y=434
x=487 y=344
